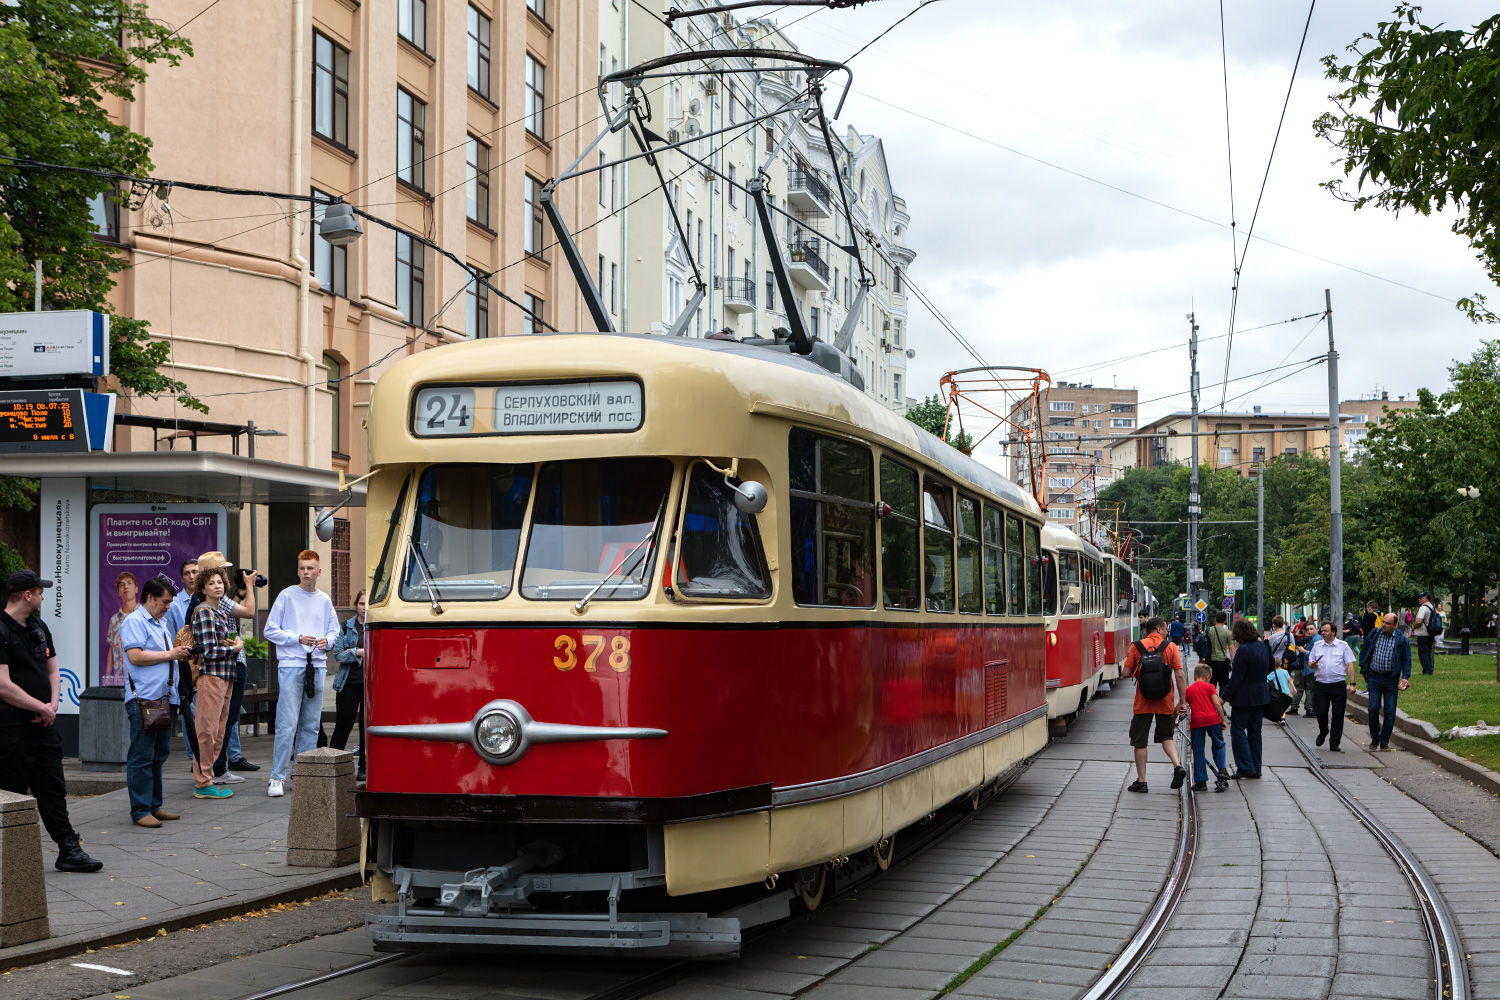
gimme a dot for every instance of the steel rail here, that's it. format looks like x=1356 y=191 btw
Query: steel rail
x=1449 y=965
x=1117 y=977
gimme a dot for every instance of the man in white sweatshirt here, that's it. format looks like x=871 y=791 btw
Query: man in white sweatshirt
x=302 y=622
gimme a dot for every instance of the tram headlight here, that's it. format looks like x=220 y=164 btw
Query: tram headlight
x=498 y=734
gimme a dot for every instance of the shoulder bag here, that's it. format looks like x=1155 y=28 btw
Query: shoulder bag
x=156 y=713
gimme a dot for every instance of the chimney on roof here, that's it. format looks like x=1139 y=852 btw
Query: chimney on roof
x=1385 y=396
x=1257 y=408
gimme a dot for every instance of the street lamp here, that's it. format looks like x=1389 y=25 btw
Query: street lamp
x=339 y=225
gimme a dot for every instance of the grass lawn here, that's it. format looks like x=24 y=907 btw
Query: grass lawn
x=1484 y=750
x=1461 y=692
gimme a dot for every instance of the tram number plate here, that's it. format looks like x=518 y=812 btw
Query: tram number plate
x=444 y=410
x=592 y=651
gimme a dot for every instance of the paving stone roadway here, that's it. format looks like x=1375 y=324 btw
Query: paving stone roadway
x=1290 y=897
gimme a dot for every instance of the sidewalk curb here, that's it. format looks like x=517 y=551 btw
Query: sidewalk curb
x=347 y=877
x=1447 y=760
x=1412 y=727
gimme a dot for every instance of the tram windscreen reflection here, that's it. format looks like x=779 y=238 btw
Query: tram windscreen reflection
x=594 y=524
x=466 y=532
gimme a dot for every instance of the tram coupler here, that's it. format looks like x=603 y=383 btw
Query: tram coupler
x=484 y=887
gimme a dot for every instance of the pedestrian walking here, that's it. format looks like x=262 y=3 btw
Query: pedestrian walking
x=150 y=692
x=1247 y=694
x=1156 y=666
x=1385 y=664
x=1353 y=631
x=240 y=607
x=1370 y=620
x=1332 y=661
x=31 y=751
x=176 y=619
x=1424 y=630
x=1208 y=721
x=349 y=650
x=1178 y=633
x=301 y=625
x=1219 y=641
x=217 y=642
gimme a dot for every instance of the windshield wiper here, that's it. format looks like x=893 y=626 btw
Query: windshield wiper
x=421 y=561
x=642 y=546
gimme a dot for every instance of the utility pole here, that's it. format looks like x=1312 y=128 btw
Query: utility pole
x=1260 y=546
x=1194 y=574
x=1335 y=493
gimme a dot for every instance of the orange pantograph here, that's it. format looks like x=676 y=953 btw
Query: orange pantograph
x=1000 y=392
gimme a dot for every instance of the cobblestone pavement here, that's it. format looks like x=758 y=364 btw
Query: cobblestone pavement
x=220 y=851
x=1289 y=897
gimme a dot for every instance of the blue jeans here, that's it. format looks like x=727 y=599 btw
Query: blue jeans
x=1215 y=733
x=1382 y=692
x=231 y=749
x=1245 y=724
x=297 y=718
x=148 y=751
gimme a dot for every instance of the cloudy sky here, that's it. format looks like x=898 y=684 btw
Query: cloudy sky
x=1040 y=267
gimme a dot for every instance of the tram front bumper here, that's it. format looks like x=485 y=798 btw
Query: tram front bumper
x=654 y=935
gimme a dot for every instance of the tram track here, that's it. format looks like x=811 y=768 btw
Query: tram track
x=1450 y=968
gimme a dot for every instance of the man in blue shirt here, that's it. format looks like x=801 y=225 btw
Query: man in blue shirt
x=150 y=674
x=1178 y=633
x=176 y=617
x=1385 y=662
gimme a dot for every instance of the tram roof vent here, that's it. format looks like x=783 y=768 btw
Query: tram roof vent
x=823 y=354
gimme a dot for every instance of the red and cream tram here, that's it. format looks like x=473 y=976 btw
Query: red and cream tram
x=1120 y=615
x=1074 y=604
x=657 y=617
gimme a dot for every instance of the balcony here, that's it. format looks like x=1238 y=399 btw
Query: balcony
x=739 y=295
x=805 y=192
x=807 y=266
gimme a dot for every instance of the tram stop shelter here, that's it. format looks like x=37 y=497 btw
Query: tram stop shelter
x=109 y=521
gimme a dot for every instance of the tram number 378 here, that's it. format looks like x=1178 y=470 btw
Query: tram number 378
x=593 y=647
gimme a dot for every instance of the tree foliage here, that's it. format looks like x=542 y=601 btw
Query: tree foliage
x=1418 y=123
x=1382 y=570
x=59 y=63
x=930 y=415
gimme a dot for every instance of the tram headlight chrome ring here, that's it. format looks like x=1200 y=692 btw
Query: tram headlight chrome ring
x=498 y=734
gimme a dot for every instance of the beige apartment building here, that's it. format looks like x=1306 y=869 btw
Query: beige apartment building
x=644 y=267
x=1240 y=440
x=442 y=119
x=1079 y=421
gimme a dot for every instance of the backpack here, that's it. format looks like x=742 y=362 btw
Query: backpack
x=1435 y=621
x=1200 y=646
x=1153 y=678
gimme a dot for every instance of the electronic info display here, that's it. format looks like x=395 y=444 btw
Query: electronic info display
x=42 y=420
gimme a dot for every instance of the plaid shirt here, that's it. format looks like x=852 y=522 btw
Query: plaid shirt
x=213 y=631
x=1383 y=661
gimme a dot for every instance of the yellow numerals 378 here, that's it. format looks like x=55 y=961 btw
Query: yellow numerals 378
x=567 y=647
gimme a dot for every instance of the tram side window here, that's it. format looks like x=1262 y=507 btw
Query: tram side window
x=994 y=558
x=594 y=529
x=1070 y=582
x=937 y=545
x=466 y=531
x=970 y=566
x=833 y=521
x=1015 y=567
x=719 y=548
x=1122 y=590
x=1049 y=582
x=1033 y=578
x=898 y=536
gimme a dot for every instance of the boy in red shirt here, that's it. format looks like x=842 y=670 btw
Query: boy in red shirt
x=1208 y=721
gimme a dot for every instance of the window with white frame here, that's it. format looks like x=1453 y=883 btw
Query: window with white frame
x=896 y=387
x=1059 y=406
x=1122 y=421
x=1059 y=514
x=1226 y=456
x=1059 y=482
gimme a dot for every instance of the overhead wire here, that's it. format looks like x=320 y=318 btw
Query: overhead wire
x=1095 y=365
x=1239 y=267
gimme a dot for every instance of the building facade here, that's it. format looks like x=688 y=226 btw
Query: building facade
x=1080 y=422
x=1239 y=441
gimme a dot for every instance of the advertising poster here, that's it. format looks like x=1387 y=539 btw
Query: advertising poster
x=133 y=543
x=65 y=606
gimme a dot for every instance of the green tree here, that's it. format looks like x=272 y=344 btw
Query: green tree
x=1417 y=122
x=930 y=415
x=59 y=62
x=1382 y=570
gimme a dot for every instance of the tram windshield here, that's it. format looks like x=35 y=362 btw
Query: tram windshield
x=467 y=527
x=1071 y=578
x=719 y=550
x=594 y=525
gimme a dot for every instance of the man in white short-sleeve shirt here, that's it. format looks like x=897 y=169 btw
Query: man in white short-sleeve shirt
x=1333 y=678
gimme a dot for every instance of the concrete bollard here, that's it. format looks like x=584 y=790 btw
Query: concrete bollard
x=23 y=884
x=323 y=831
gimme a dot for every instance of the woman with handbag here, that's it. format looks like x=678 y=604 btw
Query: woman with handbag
x=150 y=692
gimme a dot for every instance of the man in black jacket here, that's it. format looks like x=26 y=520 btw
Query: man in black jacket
x=31 y=751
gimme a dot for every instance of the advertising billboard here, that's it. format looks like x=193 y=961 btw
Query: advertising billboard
x=133 y=543
x=65 y=342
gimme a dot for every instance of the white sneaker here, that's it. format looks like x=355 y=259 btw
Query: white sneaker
x=274 y=789
x=228 y=778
